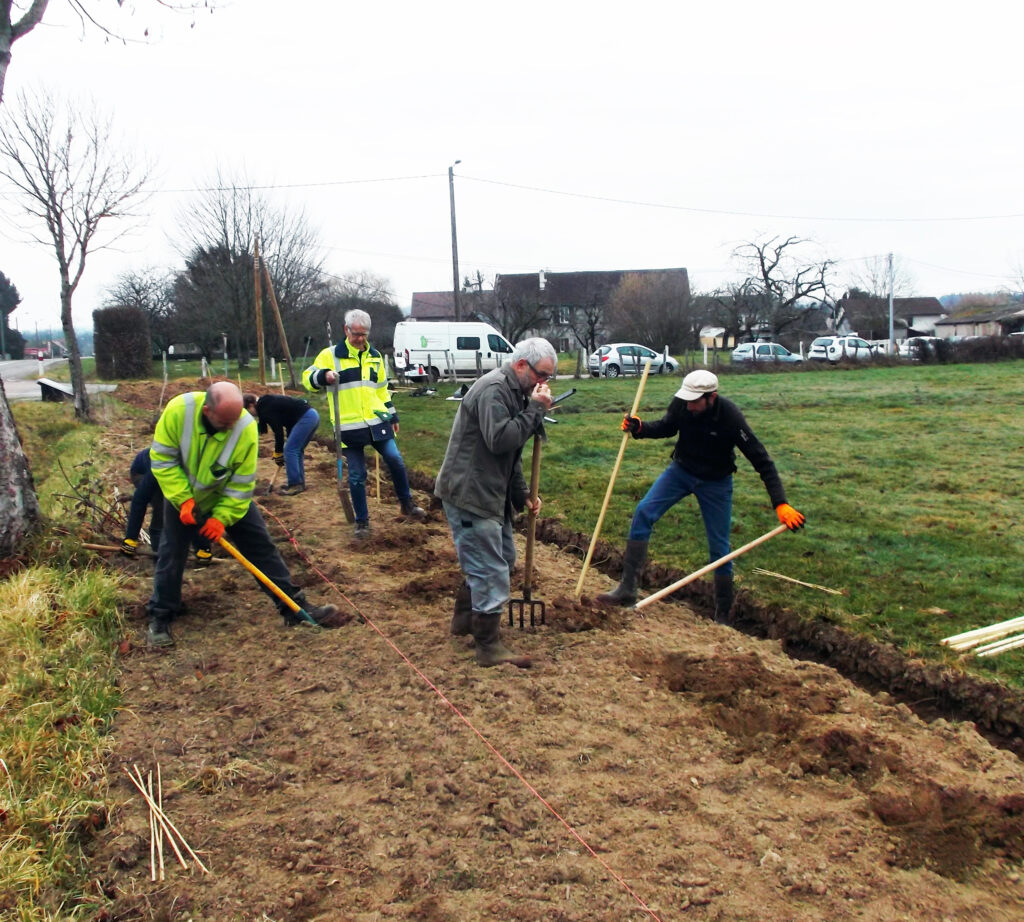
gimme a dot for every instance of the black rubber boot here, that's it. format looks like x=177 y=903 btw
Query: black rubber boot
x=158 y=633
x=462 y=618
x=723 y=597
x=490 y=651
x=632 y=563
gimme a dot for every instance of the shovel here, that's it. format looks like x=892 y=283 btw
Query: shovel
x=520 y=606
x=343 y=495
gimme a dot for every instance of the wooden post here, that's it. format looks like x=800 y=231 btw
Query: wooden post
x=280 y=326
x=611 y=482
x=258 y=297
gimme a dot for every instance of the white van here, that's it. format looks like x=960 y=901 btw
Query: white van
x=432 y=349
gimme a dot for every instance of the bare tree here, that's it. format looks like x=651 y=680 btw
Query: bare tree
x=19 y=507
x=872 y=278
x=219 y=230
x=71 y=178
x=653 y=308
x=516 y=307
x=11 y=30
x=780 y=281
x=149 y=290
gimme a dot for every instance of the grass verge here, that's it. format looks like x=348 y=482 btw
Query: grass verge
x=60 y=626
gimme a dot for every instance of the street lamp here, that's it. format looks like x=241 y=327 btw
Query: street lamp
x=455 y=241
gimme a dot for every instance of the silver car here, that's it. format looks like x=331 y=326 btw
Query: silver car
x=836 y=348
x=628 y=359
x=763 y=352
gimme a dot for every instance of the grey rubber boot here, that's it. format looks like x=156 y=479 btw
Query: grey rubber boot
x=462 y=618
x=490 y=651
x=412 y=511
x=320 y=614
x=723 y=597
x=158 y=633
x=632 y=563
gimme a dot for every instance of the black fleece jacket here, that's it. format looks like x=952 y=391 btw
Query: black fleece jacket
x=707 y=443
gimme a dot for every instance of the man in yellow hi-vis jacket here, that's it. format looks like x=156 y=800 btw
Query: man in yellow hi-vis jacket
x=354 y=374
x=204 y=459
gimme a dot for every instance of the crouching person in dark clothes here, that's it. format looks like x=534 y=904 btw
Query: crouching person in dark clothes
x=289 y=415
x=204 y=458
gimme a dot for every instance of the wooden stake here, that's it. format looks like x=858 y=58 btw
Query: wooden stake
x=979 y=635
x=799 y=582
x=611 y=482
x=258 y=299
x=168 y=826
x=1000 y=646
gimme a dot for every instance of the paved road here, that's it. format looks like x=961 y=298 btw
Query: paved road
x=20 y=376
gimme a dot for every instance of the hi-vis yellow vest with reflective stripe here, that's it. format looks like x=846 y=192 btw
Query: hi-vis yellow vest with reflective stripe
x=218 y=471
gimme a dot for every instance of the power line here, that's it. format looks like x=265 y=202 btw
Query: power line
x=742 y=214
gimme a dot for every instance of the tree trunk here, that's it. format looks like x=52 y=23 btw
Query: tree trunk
x=19 y=508
x=75 y=357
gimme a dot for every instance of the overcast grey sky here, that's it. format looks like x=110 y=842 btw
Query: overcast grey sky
x=661 y=135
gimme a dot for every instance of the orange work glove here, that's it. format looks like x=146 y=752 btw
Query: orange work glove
x=187 y=512
x=632 y=425
x=212 y=529
x=789 y=517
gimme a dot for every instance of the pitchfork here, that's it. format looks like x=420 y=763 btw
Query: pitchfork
x=520 y=605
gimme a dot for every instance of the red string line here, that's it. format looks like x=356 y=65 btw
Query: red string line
x=454 y=709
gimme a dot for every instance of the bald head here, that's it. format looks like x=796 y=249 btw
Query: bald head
x=223 y=404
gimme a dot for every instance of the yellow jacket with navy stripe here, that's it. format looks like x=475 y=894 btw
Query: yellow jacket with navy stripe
x=216 y=469
x=365 y=410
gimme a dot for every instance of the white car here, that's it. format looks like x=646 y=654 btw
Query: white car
x=763 y=352
x=628 y=359
x=917 y=348
x=836 y=348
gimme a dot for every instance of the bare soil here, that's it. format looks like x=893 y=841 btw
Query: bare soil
x=645 y=768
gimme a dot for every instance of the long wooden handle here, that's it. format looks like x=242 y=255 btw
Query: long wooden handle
x=531 y=526
x=611 y=482
x=714 y=565
x=266 y=580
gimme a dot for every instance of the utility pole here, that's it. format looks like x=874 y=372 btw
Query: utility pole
x=892 y=335
x=455 y=242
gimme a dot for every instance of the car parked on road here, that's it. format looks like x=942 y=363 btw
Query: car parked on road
x=918 y=348
x=616 y=359
x=763 y=352
x=836 y=348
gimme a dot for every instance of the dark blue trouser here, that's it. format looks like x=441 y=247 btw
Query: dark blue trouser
x=713 y=496
x=248 y=534
x=295 y=445
x=148 y=493
x=357 y=475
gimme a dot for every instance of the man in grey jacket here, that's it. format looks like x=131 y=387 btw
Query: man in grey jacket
x=481 y=482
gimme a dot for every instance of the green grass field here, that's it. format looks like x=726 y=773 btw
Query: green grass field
x=910 y=477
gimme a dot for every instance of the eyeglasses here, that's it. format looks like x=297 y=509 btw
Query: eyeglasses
x=541 y=375
x=358 y=334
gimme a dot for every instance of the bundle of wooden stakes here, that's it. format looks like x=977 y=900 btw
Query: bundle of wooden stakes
x=160 y=826
x=988 y=641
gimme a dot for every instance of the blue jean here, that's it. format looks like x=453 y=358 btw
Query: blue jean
x=486 y=549
x=357 y=475
x=295 y=446
x=713 y=496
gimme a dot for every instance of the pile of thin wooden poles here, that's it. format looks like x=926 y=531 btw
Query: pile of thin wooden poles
x=988 y=641
x=160 y=826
